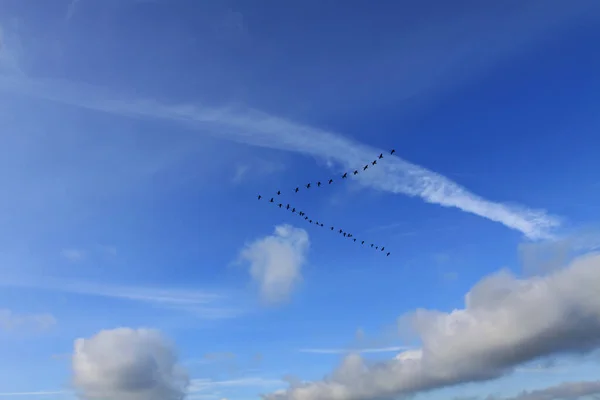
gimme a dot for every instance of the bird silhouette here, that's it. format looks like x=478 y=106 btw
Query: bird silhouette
x=318 y=184
x=355 y=172
x=308 y=185
x=354 y=239
x=363 y=242
x=332 y=228
x=393 y=151
x=381 y=156
x=310 y=221
x=330 y=181
x=345 y=175
x=293 y=210
x=278 y=192
x=287 y=207
x=296 y=190
x=388 y=253
x=272 y=200
x=259 y=197
x=374 y=162
x=341 y=231
x=365 y=167
x=280 y=205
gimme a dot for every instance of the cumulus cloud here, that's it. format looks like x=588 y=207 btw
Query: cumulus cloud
x=505 y=322
x=10 y=321
x=128 y=364
x=276 y=261
x=564 y=391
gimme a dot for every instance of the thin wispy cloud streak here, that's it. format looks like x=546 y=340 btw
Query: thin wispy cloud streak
x=41 y=393
x=256 y=128
x=362 y=351
x=201 y=303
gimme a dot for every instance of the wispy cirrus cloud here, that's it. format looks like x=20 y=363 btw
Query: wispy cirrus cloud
x=252 y=127
x=10 y=321
x=390 y=349
x=38 y=393
x=73 y=255
x=205 y=304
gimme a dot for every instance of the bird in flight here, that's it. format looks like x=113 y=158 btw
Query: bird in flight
x=365 y=167
x=376 y=247
x=332 y=228
x=287 y=207
x=308 y=185
x=354 y=239
x=393 y=151
x=381 y=156
x=293 y=210
x=259 y=197
x=305 y=218
x=363 y=242
x=371 y=244
x=341 y=231
x=344 y=234
x=374 y=162
x=310 y=221
x=322 y=225
x=271 y=201
x=382 y=248
x=355 y=172
x=388 y=253
x=280 y=205
x=330 y=181
x=318 y=184
x=296 y=190
x=278 y=192
x=345 y=175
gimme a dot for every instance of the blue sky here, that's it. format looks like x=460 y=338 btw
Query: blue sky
x=136 y=136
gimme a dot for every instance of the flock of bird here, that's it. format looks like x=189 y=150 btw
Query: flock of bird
x=312 y=221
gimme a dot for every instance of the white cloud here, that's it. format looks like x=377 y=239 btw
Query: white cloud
x=73 y=255
x=10 y=321
x=276 y=261
x=39 y=393
x=367 y=350
x=201 y=303
x=128 y=364
x=255 y=128
x=506 y=322
x=564 y=391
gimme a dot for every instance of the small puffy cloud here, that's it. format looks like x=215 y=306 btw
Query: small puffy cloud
x=127 y=364
x=506 y=322
x=276 y=262
x=10 y=321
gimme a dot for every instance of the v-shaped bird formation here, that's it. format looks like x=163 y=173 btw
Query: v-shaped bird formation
x=313 y=221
